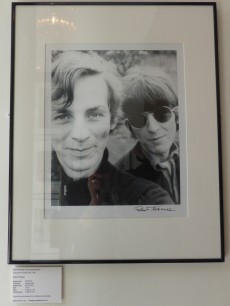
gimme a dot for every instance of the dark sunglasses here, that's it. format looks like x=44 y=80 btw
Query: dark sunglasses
x=162 y=115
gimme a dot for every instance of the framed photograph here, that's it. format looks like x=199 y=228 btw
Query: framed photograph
x=115 y=140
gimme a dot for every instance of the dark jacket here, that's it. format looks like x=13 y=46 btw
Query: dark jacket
x=108 y=186
x=136 y=164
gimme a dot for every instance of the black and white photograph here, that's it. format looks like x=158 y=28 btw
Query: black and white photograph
x=115 y=131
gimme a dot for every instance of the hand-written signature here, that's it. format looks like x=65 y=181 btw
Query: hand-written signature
x=152 y=208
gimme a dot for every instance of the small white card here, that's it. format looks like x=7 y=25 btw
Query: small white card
x=37 y=285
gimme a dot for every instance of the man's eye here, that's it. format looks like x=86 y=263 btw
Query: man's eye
x=63 y=118
x=94 y=115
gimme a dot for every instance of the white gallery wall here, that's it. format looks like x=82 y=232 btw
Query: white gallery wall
x=181 y=284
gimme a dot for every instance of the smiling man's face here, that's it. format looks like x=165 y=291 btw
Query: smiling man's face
x=80 y=132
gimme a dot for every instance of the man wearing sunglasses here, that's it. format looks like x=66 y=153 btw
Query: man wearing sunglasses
x=151 y=110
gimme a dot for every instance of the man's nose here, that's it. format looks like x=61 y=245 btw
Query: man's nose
x=80 y=130
x=152 y=123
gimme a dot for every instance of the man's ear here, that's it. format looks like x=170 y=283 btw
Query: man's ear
x=177 y=121
x=176 y=112
x=113 y=124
